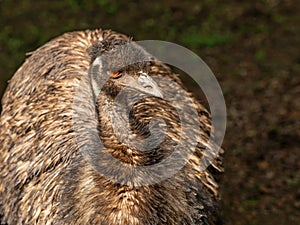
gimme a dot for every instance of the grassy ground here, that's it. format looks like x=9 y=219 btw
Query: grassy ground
x=253 y=49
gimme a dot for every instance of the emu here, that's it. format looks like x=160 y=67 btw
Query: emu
x=44 y=176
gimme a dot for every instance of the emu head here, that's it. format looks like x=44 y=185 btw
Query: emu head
x=119 y=64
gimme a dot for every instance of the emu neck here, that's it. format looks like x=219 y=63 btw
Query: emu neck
x=126 y=136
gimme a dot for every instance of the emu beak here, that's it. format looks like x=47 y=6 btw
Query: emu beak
x=143 y=83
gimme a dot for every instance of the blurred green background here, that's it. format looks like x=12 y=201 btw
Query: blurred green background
x=253 y=49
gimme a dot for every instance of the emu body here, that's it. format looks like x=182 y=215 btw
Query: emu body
x=43 y=177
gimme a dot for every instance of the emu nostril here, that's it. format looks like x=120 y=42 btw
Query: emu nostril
x=148 y=87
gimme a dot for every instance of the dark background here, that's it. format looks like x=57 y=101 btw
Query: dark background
x=252 y=48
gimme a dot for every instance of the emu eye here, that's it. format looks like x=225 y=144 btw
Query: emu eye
x=115 y=74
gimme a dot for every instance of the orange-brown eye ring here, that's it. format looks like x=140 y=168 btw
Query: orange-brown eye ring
x=115 y=74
